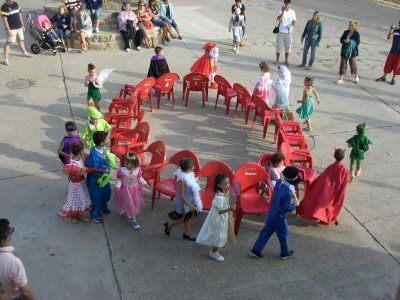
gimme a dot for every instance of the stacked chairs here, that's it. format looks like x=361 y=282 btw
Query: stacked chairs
x=263 y=112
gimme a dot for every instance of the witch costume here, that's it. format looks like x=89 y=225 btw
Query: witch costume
x=158 y=66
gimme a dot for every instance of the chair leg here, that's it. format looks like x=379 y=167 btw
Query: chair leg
x=236 y=109
x=238 y=220
x=186 y=97
x=216 y=101
x=158 y=99
x=150 y=102
x=173 y=98
x=153 y=197
x=228 y=105
x=254 y=120
x=247 y=115
x=203 y=99
x=265 y=130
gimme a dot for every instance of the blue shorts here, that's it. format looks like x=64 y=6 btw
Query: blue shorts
x=173 y=24
x=96 y=15
x=63 y=34
x=159 y=22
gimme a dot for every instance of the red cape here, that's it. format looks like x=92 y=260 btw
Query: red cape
x=325 y=196
x=202 y=65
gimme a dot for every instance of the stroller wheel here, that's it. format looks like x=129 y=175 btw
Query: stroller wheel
x=35 y=49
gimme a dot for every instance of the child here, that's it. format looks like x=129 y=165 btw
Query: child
x=95 y=123
x=99 y=194
x=359 y=144
x=158 y=64
x=306 y=109
x=276 y=222
x=64 y=150
x=263 y=86
x=94 y=85
x=214 y=231
x=207 y=63
x=51 y=34
x=282 y=89
x=78 y=201
x=128 y=197
x=236 y=25
x=187 y=200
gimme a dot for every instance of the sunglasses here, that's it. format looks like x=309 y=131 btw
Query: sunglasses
x=141 y=4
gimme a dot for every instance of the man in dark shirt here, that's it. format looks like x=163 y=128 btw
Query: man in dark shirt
x=393 y=60
x=14 y=25
x=239 y=4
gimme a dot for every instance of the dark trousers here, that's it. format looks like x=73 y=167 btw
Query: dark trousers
x=343 y=65
x=137 y=38
x=98 y=195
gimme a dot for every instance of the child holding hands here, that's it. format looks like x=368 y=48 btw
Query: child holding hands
x=306 y=109
x=214 y=231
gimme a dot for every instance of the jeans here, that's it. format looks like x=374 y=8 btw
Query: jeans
x=96 y=15
x=307 y=44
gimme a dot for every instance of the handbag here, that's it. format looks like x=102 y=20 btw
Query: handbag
x=276 y=29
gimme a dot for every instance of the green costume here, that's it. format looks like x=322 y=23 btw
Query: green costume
x=89 y=129
x=93 y=92
x=359 y=144
x=307 y=108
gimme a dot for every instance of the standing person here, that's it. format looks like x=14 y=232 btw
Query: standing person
x=167 y=11
x=86 y=29
x=306 y=109
x=64 y=150
x=311 y=36
x=393 y=60
x=276 y=221
x=95 y=123
x=214 y=232
x=325 y=195
x=14 y=25
x=94 y=8
x=127 y=24
x=158 y=64
x=350 y=40
x=286 y=19
x=282 y=89
x=236 y=25
x=13 y=281
x=264 y=84
x=63 y=21
x=145 y=24
x=242 y=7
x=94 y=84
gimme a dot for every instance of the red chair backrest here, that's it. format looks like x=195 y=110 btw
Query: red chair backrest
x=144 y=87
x=166 y=81
x=261 y=105
x=211 y=170
x=286 y=149
x=242 y=93
x=265 y=159
x=223 y=84
x=143 y=130
x=158 y=152
x=174 y=159
x=250 y=175
x=196 y=81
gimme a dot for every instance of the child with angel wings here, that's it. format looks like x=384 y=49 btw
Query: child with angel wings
x=94 y=83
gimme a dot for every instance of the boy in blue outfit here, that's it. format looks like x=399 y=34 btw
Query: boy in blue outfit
x=276 y=221
x=100 y=193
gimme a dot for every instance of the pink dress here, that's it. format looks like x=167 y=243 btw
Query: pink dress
x=129 y=199
x=263 y=87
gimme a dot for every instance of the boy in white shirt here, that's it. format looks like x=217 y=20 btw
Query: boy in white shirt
x=286 y=19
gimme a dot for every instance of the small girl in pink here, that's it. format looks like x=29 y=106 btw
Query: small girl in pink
x=128 y=196
x=264 y=84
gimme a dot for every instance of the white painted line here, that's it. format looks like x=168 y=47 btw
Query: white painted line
x=386 y=5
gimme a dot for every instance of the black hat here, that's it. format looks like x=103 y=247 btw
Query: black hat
x=291 y=175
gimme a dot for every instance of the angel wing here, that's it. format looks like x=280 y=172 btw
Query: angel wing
x=104 y=75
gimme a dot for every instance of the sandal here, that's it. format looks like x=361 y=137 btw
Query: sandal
x=381 y=79
x=189 y=238
x=166 y=230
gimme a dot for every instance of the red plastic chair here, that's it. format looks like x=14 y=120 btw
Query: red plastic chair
x=210 y=171
x=264 y=112
x=165 y=85
x=131 y=140
x=293 y=140
x=291 y=129
x=302 y=156
x=264 y=160
x=248 y=181
x=144 y=91
x=243 y=99
x=157 y=150
x=224 y=89
x=195 y=82
x=122 y=106
x=168 y=186
x=125 y=125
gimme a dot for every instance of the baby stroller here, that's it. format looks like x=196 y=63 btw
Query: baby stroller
x=47 y=39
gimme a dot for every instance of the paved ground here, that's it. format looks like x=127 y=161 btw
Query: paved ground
x=357 y=259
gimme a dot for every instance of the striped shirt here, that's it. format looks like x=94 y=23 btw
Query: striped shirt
x=73 y=4
x=12 y=11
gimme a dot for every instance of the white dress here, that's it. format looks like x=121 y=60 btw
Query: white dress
x=214 y=231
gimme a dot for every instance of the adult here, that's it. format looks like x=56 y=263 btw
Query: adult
x=145 y=24
x=13 y=281
x=127 y=24
x=63 y=21
x=242 y=7
x=159 y=21
x=94 y=9
x=393 y=60
x=350 y=40
x=325 y=195
x=73 y=5
x=14 y=25
x=167 y=11
x=86 y=29
x=311 y=37
x=286 y=19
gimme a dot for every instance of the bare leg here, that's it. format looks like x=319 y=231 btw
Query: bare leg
x=22 y=46
x=277 y=58
x=174 y=223
x=6 y=50
x=187 y=227
x=308 y=122
x=214 y=249
x=97 y=105
x=287 y=58
x=97 y=22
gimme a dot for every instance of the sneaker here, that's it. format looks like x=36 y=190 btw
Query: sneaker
x=74 y=220
x=256 y=254
x=7 y=62
x=393 y=82
x=358 y=173
x=138 y=48
x=216 y=256
x=340 y=81
x=135 y=225
x=97 y=220
x=179 y=37
x=127 y=50
x=308 y=68
x=288 y=255
x=357 y=79
x=69 y=49
x=237 y=50
x=82 y=218
x=97 y=30
x=27 y=54
x=382 y=79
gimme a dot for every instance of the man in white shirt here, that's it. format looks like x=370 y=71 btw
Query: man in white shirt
x=13 y=281
x=286 y=19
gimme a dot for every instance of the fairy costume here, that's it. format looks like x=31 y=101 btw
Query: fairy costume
x=263 y=87
x=282 y=88
x=129 y=199
x=359 y=144
x=94 y=85
x=306 y=109
x=89 y=129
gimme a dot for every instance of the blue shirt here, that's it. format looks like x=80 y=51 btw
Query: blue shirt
x=94 y=4
x=281 y=200
x=98 y=160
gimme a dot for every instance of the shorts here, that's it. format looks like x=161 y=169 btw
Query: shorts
x=63 y=34
x=283 y=39
x=96 y=15
x=173 y=24
x=392 y=64
x=15 y=33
